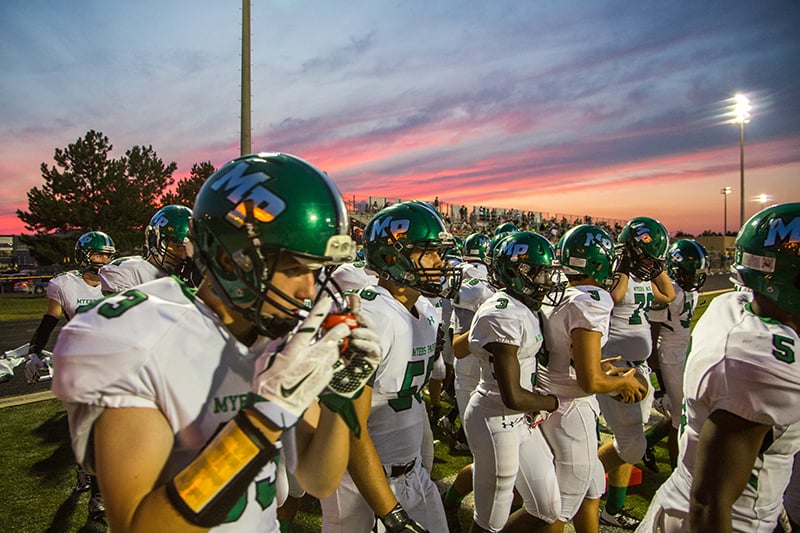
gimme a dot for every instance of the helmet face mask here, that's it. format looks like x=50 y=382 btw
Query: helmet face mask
x=408 y=244
x=644 y=242
x=687 y=264
x=587 y=250
x=526 y=268
x=254 y=214
x=767 y=256
x=91 y=244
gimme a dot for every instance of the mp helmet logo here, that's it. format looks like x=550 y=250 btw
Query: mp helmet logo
x=597 y=238
x=388 y=226
x=780 y=231
x=515 y=250
x=242 y=189
x=641 y=232
x=161 y=221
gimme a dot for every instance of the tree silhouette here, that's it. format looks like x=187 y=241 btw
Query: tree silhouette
x=88 y=190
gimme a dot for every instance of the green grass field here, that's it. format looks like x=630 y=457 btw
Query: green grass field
x=22 y=307
x=39 y=471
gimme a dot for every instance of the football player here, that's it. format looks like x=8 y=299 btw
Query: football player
x=473 y=292
x=405 y=244
x=66 y=292
x=741 y=426
x=475 y=289
x=572 y=369
x=179 y=400
x=640 y=282
x=166 y=237
x=687 y=267
x=506 y=337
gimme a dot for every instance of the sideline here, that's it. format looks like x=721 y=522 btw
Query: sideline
x=13 y=401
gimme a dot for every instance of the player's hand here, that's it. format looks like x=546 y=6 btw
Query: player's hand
x=633 y=387
x=624 y=260
x=361 y=357
x=36 y=368
x=398 y=521
x=607 y=364
x=288 y=380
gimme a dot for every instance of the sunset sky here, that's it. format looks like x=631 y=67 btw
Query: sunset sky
x=609 y=108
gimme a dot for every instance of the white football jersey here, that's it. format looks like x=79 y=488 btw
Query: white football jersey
x=584 y=306
x=676 y=319
x=353 y=276
x=159 y=347
x=126 y=272
x=408 y=344
x=71 y=291
x=473 y=292
x=745 y=365
x=471 y=269
x=629 y=330
x=504 y=319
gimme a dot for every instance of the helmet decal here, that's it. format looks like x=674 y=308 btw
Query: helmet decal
x=778 y=231
x=242 y=189
x=396 y=227
x=601 y=239
x=516 y=253
x=641 y=232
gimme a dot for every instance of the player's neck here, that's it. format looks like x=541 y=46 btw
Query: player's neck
x=405 y=295
x=91 y=279
x=238 y=325
x=766 y=308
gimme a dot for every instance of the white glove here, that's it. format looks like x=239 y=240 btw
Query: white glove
x=361 y=357
x=289 y=380
x=37 y=368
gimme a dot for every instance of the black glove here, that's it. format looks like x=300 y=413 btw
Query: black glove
x=398 y=521
x=624 y=261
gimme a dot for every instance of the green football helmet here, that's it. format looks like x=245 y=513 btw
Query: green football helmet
x=505 y=227
x=491 y=251
x=459 y=245
x=687 y=264
x=169 y=224
x=91 y=243
x=396 y=235
x=475 y=247
x=644 y=242
x=256 y=209
x=587 y=250
x=767 y=258
x=525 y=265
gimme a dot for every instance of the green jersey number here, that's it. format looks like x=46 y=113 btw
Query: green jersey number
x=783 y=348
x=643 y=304
x=410 y=392
x=116 y=305
x=687 y=310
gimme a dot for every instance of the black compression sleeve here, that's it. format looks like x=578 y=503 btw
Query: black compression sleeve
x=42 y=335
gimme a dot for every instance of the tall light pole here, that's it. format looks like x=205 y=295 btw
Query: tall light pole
x=245 y=140
x=725 y=192
x=742 y=116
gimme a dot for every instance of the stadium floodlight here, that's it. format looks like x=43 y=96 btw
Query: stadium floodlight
x=762 y=199
x=741 y=112
x=725 y=191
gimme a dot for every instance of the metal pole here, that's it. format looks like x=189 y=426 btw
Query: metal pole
x=725 y=217
x=245 y=142
x=741 y=173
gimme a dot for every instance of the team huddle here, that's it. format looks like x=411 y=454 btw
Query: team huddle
x=255 y=353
